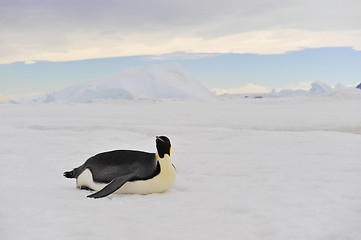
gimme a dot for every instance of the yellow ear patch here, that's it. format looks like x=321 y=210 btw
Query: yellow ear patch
x=170 y=148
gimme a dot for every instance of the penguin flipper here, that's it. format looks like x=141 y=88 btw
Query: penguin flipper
x=114 y=185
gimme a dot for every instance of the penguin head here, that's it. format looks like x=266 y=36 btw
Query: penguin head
x=163 y=146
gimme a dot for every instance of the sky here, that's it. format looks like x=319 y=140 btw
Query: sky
x=46 y=45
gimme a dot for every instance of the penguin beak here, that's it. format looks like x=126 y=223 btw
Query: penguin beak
x=158 y=138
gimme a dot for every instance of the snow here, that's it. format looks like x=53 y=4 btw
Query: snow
x=271 y=168
x=167 y=80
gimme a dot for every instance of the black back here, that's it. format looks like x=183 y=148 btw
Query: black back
x=109 y=165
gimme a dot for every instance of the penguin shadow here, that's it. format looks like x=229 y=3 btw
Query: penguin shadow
x=169 y=192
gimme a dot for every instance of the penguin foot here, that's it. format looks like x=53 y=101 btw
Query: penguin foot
x=86 y=188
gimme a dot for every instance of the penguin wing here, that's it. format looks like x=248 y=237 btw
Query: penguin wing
x=114 y=185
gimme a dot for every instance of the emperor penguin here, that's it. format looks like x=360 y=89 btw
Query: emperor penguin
x=127 y=171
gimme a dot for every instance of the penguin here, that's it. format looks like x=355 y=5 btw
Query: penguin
x=127 y=171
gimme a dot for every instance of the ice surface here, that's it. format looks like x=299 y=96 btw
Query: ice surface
x=284 y=168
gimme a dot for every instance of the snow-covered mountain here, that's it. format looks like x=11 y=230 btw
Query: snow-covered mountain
x=318 y=88
x=168 y=80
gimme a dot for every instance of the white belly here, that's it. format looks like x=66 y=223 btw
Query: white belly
x=160 y=183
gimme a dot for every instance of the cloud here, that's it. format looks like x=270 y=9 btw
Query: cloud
x=71 y=30
x=179 y=55
x=259 y=42
x=30 y=62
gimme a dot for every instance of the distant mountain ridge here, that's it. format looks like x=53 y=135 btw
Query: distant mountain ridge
x=168 y=80
x=317 y=89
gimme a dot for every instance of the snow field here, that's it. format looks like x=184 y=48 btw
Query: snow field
x=249 y=169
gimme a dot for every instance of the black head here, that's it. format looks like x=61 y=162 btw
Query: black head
x=163 y=146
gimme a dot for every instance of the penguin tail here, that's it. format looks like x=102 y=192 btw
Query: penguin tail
x=75 y=172
x=69 y=174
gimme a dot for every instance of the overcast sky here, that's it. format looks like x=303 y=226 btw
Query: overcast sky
x=33 y=30
x=40 y=39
